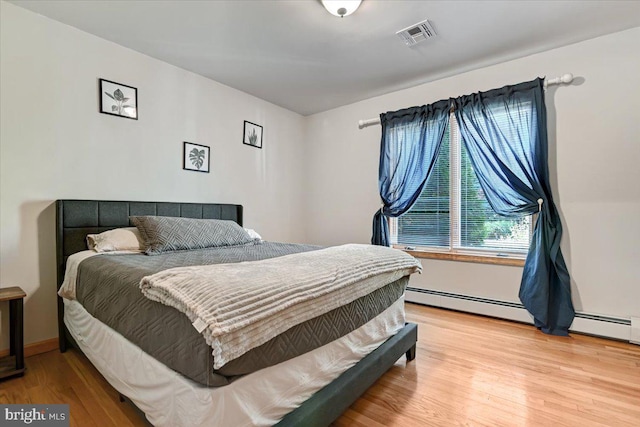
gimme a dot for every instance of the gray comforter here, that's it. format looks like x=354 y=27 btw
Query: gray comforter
x=108 y=288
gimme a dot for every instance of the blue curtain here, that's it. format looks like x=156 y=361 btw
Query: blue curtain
x=411 y=140
x=505 y=133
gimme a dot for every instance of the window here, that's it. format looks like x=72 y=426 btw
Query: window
x=452 y=213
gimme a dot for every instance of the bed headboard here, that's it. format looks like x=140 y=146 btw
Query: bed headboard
x=77 y=218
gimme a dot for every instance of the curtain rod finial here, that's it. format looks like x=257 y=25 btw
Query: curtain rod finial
x=567 y=78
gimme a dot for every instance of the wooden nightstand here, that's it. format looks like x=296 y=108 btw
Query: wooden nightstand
x=13 y=364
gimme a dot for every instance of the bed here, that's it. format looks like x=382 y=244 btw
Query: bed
x=78 y=218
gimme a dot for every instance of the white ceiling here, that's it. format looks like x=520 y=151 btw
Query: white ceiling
x=296 y=55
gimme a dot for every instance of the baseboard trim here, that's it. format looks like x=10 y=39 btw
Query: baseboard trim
x=36 y=348
x=586 y=323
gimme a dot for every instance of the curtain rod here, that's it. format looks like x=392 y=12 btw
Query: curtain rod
x=565 y=78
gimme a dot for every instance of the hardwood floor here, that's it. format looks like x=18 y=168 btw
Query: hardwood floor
x=479 y=371
x=70 y=378
x=469 y=370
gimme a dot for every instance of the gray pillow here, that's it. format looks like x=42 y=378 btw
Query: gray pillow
x=165 y=234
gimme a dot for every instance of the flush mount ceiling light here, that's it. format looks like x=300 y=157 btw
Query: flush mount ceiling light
x=341 y=8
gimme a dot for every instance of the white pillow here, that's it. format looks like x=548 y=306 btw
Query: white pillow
x=253 y=233
x=118 y=239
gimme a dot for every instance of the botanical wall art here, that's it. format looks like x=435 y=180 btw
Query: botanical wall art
x=118 y=99
x=252 y=134
x=195 y=157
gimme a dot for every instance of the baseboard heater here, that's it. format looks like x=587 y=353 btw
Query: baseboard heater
x=593 y=324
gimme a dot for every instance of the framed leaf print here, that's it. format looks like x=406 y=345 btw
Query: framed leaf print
x=119 y=100
x=252 y=134
x=195 y=157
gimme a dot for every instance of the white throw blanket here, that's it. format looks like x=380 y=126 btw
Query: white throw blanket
x=240 y=306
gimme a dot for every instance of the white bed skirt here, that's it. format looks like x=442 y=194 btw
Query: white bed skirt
x=259 y=399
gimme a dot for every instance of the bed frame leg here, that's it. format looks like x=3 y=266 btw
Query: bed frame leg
x=411 y=353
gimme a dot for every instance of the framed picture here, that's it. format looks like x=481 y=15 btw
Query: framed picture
x=118 y=99
x=252 y=134
x=195 y=157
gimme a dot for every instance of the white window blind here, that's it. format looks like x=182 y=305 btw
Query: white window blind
x=428 y=223
x=452 y=213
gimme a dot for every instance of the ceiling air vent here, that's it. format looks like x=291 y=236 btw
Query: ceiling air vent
x=417 y=33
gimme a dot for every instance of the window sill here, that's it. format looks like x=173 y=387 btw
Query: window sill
x=479 y=259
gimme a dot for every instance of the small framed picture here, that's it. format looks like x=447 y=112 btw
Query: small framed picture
x=252 y=134
x=118 y=99
x=195 y=157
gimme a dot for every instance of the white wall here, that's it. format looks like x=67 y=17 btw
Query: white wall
x=316 y=177
x=55 y=144
x=594 y=150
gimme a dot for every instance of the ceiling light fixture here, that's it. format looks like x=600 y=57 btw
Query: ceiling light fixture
x=341 y=8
